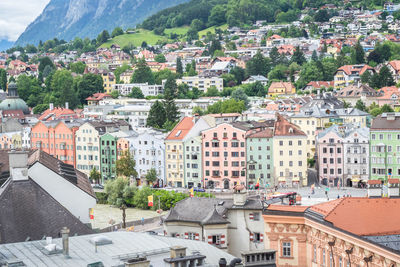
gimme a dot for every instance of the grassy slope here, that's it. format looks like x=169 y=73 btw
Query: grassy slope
x=136 y=39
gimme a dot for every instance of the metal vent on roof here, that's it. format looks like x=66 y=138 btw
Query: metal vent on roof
x=13 y=263
x=178 y=133
x=100 y=240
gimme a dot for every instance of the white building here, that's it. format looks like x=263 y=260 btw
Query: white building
x=136 y=115
x=147 y=89
x=202 y=83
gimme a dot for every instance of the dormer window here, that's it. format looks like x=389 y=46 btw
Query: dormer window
x=290 y=130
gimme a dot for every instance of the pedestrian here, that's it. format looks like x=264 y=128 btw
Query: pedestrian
x=338 y=196
x=142 y=221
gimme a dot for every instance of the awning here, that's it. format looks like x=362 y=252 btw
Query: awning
x=297 y=179
x=282 y=179
x=355 y=180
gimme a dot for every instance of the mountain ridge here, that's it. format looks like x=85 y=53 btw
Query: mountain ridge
x=87 y=18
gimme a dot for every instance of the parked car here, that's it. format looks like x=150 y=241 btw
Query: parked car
x=97 y=186
x=198 y=189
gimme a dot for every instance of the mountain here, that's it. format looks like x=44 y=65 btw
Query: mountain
x=67 y=19
x=4 y=45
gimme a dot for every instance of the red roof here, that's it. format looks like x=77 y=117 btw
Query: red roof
x=320 y=84
x=284 y=128
x=362 y=216
x=181 y=129
x=395 y=64
x=56 y=113
x=13 y=114
x=98 y=97
x=348 y=69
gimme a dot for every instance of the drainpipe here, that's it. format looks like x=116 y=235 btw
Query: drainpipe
x=331 y=244
x=348 y=252
x=368 y=260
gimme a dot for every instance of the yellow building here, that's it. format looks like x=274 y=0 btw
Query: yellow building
x=281 y=88
x=108 y=81
x=289 y=156
x=174 y=152
x=126 y=77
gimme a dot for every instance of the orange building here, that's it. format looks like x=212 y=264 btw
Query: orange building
x=356 y=232
x=57 y=138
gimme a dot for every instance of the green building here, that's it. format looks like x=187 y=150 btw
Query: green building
x=259 y=155
x=108 y=156
x=193 y=167
x=385 y=147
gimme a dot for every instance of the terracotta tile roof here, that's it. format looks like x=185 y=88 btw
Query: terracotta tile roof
x=284 y=128
x=98 y=96
x=267 y=133
x=388 y=91
x=13 y=114
x=320 y=84
x=360 y=69
x=56 y=113
x=275 y=36
x=278 y=207
x=289 y=87
x=395 y=64
x=365 y=217
x=326 y=207
x=181 y=129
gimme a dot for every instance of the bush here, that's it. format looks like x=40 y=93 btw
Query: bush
x=101 y=198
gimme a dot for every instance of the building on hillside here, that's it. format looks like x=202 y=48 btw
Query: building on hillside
x=384 y=147
x=108 y=156
x=318 y=85
x=259 y=154
x=136 y=115
x=256 y=78
x=38 y=188
x=343 y=232
x=58 y=113
x=202 y=83
x=352 y=93
x=394 y=67
x=146 y=88
x=56 y=138
x=234 y=225
x=350 y=74
x=281 y=88
x=290 y=154
x=126 y=76
x=108 y=81
x=96 y=98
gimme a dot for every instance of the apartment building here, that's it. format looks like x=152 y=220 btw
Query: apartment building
x=146 y=88
x=202 y=83
x=290 y=158
x=350 y=74
x=108 y=156
x=56 y=138
x=193 y=162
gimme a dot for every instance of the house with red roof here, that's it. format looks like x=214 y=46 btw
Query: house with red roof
x=350 y=74
x=394 y=67
x=94 y=99
x=58 y=113
x=316 y=85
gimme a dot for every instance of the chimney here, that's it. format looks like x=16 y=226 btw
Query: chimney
x=51 y=106
x=178 y=252
x=18 y=161
x=66 y=105
x=137 y=262
x=239 y=198
x=222 y=262
x=65 y=241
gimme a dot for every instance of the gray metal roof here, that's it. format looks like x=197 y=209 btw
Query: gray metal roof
x=124 y=245
x=390 y=241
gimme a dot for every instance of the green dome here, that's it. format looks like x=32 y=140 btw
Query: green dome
x=14 y=104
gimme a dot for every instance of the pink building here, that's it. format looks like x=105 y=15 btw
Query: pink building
x=330 y=156
x=224 y=153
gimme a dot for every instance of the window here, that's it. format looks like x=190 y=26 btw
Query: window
x=216 y=239
x=286 y=249
x=281 y=143
x=256 y=216
x=192 y=236
x=323 y=257
x=315 y=253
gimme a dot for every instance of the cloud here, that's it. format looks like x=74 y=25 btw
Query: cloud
x=16 y=15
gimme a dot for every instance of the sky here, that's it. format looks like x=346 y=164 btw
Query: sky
x=16 y=15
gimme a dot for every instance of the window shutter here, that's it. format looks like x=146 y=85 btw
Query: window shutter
x=261 y=238
x=251 y=216
x=177 y=235
x=197 y=236
x=251 y=237
x=222 y=239
x=210 y=239
x=186 y=235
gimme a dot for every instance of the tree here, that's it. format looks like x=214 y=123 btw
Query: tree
x=62 y=86
x=143 y=73
x=192 y=34
x=258 y=65
x=3 y=79
x=102 y=37
x=114 y=94
x=217 y=16
x=170 y=93
x=45 y=61
x=39 y=109
x=95 y=176
x=47 y=70
x=160 y=58
x=240 y=95
x=360 y=105
x=89 y=85
x=119 y=192
x=321 y=16
x=77 y=67
x=359 y=54
x=298 y=56
x=157 y=115
x=366 y=77
x=151 y=176
x=119 y=70
x=239 y=73
x=179 y=67
x=125 y=165
x=215 y=46
x=255 y=89
x=136 y=93
x=227 y=106
x=116 y=32
x=385 y=77
x=212 y=91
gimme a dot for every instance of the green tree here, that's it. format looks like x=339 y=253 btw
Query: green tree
x=114 y=94
x=217 y=16
x=278 y=73
x=239 y=74
x=116 y=32
x=298 y=56
x=151 y=176
x=212 y=91
x=359 y=53
x=157 y=115
x=45 y=61
x=215 y=46
x=255 y=89
x=136 y=93
x=386 y=78
x=39 y=109
x=179 y=67
x=125 y=165
x=160 y=58
x=119 y=192
x=62 y=86
x=258 y=65
x=95 y=176
x=77 y=67
x=119 y=70
x=88 y=85
x=366 y=77
x=3 y=79
x=143 y=73
x=240 y=95
x=170 y=93
x=192 y=34
x=102 y=37
x=360 y=105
